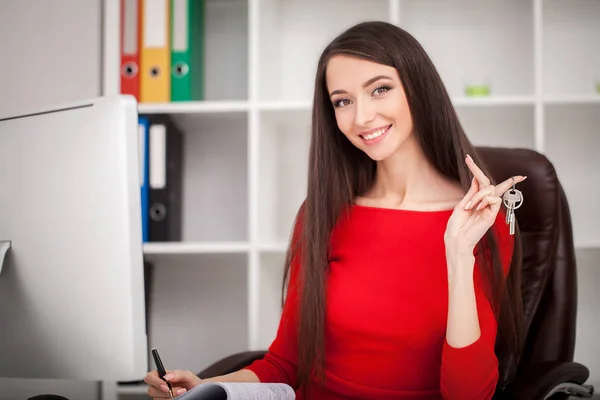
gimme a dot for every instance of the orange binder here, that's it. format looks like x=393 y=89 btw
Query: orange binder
x=155 y=79
x=130 y=47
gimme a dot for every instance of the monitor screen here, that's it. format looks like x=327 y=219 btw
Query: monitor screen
x=72 y=283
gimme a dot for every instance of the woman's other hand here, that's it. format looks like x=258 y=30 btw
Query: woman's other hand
x=181 y=381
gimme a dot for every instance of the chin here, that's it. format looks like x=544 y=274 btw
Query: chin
x=377 y=155
x=383 y=150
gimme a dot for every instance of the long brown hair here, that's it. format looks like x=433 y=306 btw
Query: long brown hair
x=338 y=172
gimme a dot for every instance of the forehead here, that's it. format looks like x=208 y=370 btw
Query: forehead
x=345 y=72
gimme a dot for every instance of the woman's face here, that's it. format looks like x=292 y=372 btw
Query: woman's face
x=370 y=105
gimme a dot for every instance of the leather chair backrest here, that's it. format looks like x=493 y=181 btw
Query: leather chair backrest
x=549 y=277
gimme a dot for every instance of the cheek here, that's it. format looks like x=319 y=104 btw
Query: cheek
x=401 y=116
x=345 y=121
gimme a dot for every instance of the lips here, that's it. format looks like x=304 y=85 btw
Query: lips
x=375 y=135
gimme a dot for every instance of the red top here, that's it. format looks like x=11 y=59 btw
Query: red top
x=387 y=308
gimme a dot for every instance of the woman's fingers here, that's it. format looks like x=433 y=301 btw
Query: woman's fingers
x=489 y=200
x=157 y=393
x=474 y=188
x=477 y=172
x=153 y=379
x=162 y=392
x=479 y=196
x=507 y=184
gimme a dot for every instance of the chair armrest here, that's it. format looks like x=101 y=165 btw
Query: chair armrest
x=542 y=379
x=232 y=363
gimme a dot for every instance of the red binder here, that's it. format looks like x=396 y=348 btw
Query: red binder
x=130 y=47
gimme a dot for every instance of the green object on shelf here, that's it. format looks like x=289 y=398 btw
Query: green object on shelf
x=477 y=90
x=598 y=87
x=187 y=51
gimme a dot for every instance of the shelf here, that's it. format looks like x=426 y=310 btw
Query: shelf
x=283 y=166
x=198 y=310
x=500 y=125
x=476 y=42
x=273 y=247
x=226 y=49
x=573 y=140
x=571 y=57
x=196 y=248
x=271 y=279
x=215 y=188
x=292 y=35
x=573 y=99
x=493 y=101
x=193 y=107
x=285 y=105
x=218 y=291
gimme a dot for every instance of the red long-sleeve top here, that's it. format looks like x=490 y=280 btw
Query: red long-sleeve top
x=386 y=314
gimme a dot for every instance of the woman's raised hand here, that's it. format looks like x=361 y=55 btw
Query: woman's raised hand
x=476 y=212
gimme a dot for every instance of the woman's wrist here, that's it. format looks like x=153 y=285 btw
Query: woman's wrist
x=460 y=263
x=458 y=253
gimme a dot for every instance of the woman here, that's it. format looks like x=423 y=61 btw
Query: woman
x=402 y=266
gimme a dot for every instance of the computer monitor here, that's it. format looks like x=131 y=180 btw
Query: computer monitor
x=72 y=284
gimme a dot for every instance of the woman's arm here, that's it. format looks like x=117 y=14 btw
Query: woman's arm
x=244 y=375
x=469 y=365
x=463 y=321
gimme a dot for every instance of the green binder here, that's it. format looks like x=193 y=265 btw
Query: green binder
x=187 y=50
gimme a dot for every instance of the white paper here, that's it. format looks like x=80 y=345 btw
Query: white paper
x=241 y=391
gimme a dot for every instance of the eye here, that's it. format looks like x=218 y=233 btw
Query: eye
x=381 y=89
x=341 y=103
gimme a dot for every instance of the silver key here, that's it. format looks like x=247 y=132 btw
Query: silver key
x=512 y=199
x=512 y=222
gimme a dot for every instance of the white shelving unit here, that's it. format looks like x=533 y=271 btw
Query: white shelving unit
x=218 y=291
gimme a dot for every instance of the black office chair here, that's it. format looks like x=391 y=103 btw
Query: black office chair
x=545 y=369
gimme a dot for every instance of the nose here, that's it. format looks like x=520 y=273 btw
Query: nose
x=365 y=112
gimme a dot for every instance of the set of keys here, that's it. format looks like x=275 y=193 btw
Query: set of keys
x=512 y=199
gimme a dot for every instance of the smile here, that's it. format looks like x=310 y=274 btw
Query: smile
x=375 y=136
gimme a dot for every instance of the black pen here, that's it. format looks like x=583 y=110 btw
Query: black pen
x=161 y=370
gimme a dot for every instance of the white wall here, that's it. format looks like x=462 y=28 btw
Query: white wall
x=50 y=52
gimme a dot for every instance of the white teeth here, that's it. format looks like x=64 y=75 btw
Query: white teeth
x=375 y=134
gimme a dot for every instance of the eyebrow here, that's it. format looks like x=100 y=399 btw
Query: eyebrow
x=367 y=83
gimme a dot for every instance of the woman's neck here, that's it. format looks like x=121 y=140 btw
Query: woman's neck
x=408 y=180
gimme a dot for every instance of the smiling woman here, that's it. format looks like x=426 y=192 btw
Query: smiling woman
x=389 y=293
x=373 y=94
x=402 y=277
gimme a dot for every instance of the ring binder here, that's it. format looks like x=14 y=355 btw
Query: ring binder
x=4 y=247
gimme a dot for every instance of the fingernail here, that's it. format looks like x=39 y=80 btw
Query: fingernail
x=525 y=177
x=479 y=206
x=180 y=391
x=168 y=377
x=469 y=157
x=469 y=205
x=164 y=388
